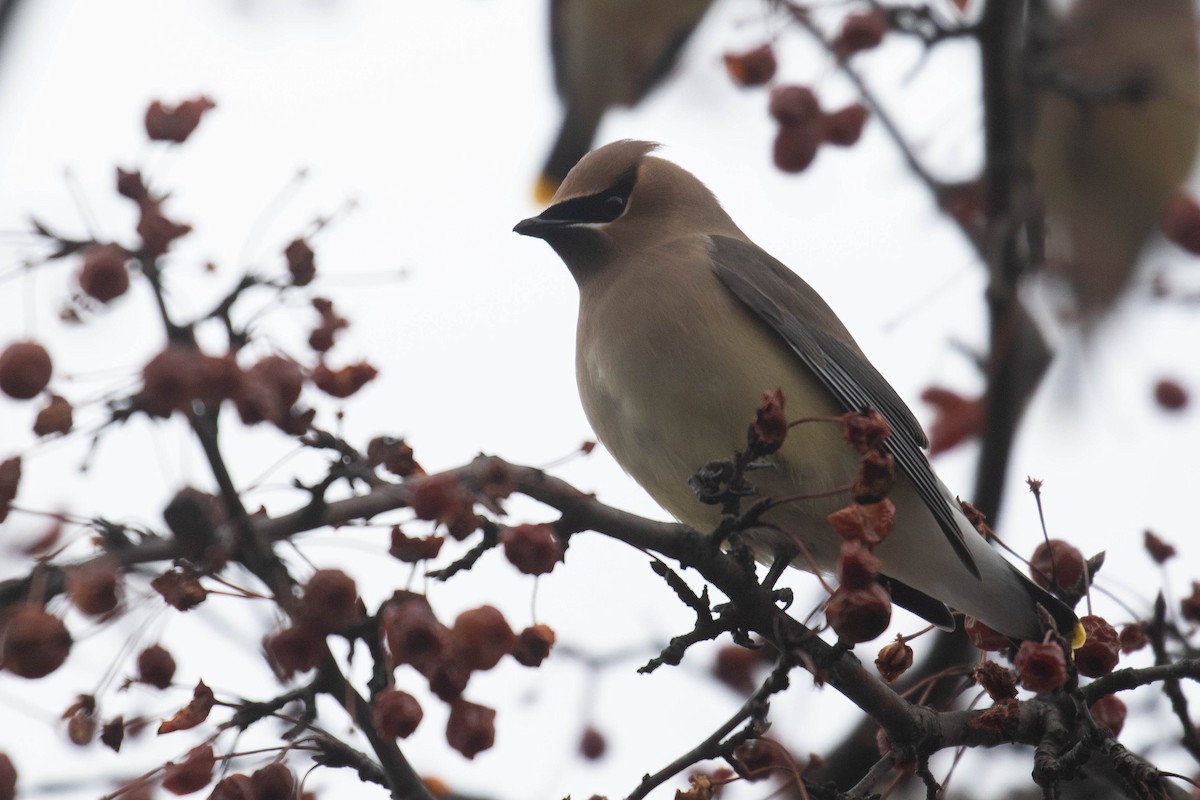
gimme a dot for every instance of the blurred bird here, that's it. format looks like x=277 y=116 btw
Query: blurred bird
x=684 y=322
x=608 y=53
x=1118 y=116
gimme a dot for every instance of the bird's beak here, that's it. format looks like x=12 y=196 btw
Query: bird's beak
x=539 y=227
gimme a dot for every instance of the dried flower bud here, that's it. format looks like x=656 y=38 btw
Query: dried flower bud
x=1110 y=712
x=35 y=643
x=1057 y=564
x=770 y=426
x=753 y=67
x=112 y=734
x=894 y=659
x=998 y=682
x=471 y=728
x=396 y=714
x=25 y=370
x=533 y=645
x=533 y=549
x=1041 y=666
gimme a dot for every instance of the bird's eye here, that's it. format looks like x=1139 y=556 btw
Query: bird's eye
x=614 y=204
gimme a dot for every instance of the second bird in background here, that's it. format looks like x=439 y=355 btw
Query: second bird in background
x=608 y=53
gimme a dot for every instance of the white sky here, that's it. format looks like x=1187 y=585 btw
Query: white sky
x=434 y=118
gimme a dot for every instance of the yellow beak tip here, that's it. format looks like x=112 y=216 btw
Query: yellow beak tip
x=1078 y=637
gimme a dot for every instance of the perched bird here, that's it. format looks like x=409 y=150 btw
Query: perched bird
x=684 y=322
x=608 y=53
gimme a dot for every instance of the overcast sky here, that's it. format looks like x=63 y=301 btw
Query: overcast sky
x=432 y=118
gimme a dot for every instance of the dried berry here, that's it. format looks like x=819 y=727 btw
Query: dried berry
x=770 y=426
x=858 y=568
x=844 y=127
x=592 y=744
x=533 y=645
x=414 y=634
x=796 y=146
x=180 y=587
x=103 y=275
x=8 y=778
x=894 y=659
x=192 y=517
x=330 y=601
x=81 y=720
x=156 y=666
x=984 y=637
x=533 y=549
x=25 y=370
x=169 y=380
x=1041 y=666
x=471 y=728
x=268 y=390
x=343 y=382
x=862 y=31
x=1057 y=564
x=1133 y=638
x=294 y=650
x=301 y=262
x=396 y=714
x=956 y=418
x=1101 y=651
x=794 y=104
x=233 y=787
x=859 y=615
x=35 y=643
x=735 y=667
x=95 y=587
x=864 y=431
x=998 y=682
x=395 y=455
x=876 y=475
x=1110 y=712
x=481 y=637
x=444 y=499
x=753 y=67
x=1158 y=549
x=273 y=782
x=1170 y=395
x=411 y=549
x=56 y=416
x=112 y=734
x=191 y=715
x=175 y=123
x=448 y=677
x=192 y=774
x=1189 y=607
x=1181 y=223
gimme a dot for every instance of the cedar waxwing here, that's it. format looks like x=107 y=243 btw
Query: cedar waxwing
x=684 y=323
x=608 y=53
x=1118 y=117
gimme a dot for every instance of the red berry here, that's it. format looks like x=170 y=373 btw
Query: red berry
x=1059 y=563
x=301 y=262
x=156 y=667
x=1170 y=395
x=273 y=782
x=859 y=615
x=293 y=650
x=25 y=370
x=192 y=774
x=861 y=32
x=984 y=637
x=796 y=146
x=56 y=417
x=35 y=643
x=330 y=601
x=103 y=275
x=396 y=714
x=1041 y=666
x=752 y=68
x=1110 y=712
x=793 y=104
x=1102 y=649
x=592 y=744
x=844 y=126
x=533 y=549
x=481 y=637
x=533 y=645
x=471 y=728
x=95 y=587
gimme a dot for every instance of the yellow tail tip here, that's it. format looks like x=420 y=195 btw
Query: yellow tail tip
x=1078 y=636
x=544 y=189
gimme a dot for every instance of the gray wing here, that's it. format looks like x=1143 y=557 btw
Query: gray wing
x=789 y=306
